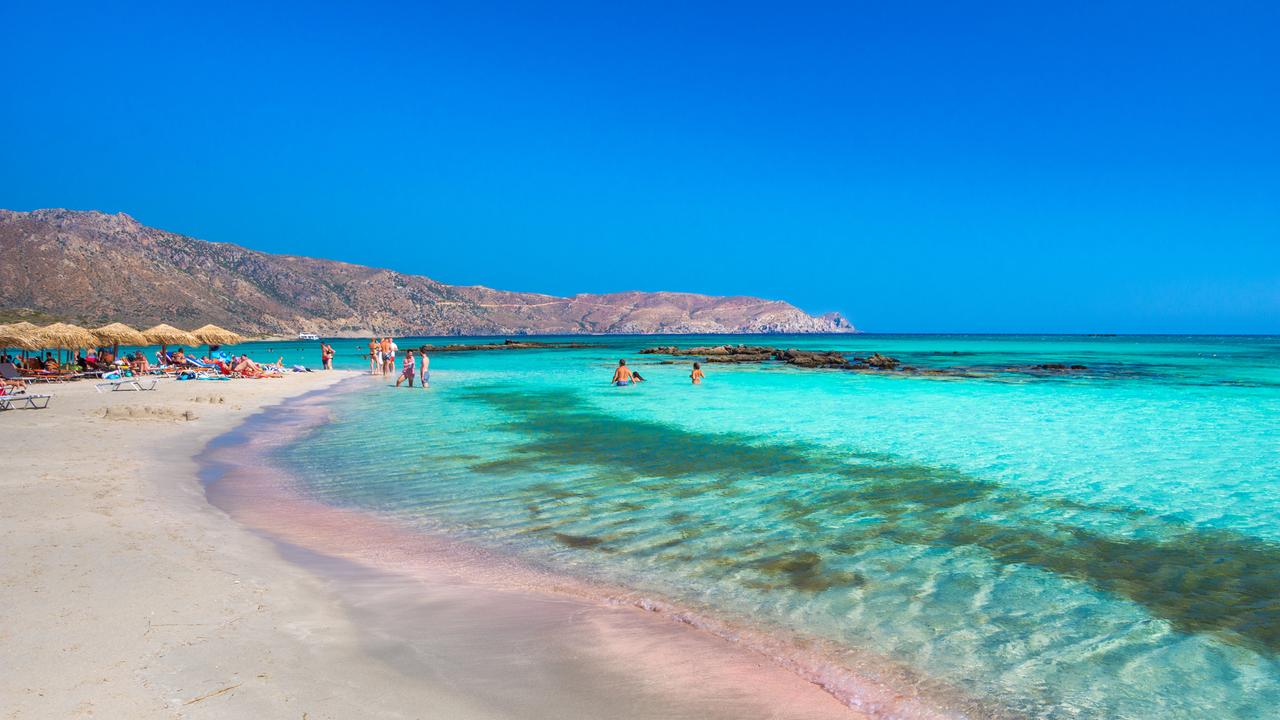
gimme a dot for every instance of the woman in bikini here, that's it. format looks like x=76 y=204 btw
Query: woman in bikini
x=697 y=375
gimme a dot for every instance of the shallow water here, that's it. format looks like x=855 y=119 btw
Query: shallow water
x=1103 y=543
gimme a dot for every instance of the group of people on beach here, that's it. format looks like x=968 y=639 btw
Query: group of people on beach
x=414 y=364
x=623 y=375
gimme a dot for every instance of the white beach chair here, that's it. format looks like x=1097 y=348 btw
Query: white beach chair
x=27 y=400
x=128 y=383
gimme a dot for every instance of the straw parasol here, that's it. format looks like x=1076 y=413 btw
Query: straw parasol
x=118 y=334
x=163 y=335
x=166 y=335
x=64 y=336
x=214 y=335
x=18 y=335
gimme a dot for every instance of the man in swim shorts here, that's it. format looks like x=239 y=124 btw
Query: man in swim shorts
x=425 y=366
x=622 y=376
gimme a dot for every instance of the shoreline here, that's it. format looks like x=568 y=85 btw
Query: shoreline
x=264 y=497
x=128 y=594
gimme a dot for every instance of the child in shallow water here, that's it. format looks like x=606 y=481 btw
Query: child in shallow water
x=409 y=370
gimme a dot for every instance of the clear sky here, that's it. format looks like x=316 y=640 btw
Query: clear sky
x=918 y=166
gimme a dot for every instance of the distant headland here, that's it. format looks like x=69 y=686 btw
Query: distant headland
x=87 y=266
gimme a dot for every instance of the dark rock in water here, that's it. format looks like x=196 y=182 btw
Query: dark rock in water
x=818 y=359
x=882 y=362
x=509 y=345
x=814 y=359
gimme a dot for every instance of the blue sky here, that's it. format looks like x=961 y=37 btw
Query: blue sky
x=920 y=167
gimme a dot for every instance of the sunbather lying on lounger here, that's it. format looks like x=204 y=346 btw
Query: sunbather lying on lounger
x=247 y=367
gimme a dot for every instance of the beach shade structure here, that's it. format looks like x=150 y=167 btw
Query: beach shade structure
x=25 y=334
x=19 y=335
x=64 y=336
x=214 y=335
x=166 y=335
x=117 y=334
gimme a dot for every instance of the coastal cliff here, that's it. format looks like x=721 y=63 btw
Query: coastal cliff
x=92 y=267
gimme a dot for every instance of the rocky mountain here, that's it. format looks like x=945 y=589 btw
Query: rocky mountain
x=91 y=267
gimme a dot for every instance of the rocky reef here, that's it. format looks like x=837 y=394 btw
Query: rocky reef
x=507 y=345
x=837 y=360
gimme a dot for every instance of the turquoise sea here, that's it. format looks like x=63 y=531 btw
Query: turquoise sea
x=1100 y=543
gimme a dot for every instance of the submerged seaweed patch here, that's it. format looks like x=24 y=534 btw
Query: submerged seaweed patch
x=804 y=571
x=1200 y=580
x=578 y=541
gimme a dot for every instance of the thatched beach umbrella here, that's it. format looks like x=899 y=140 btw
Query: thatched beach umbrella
x=166 y=335
x=24 y=335
x=64 y=336
x=18 y=336
x=117 y=334
x=214 y=335
x=169 y=335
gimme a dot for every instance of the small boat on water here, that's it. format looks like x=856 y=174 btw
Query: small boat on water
x=308 y=336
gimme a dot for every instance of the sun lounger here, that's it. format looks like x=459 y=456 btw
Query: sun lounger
x=9 y=371
x=27 y=400
x=47 y=376
x=128 y=383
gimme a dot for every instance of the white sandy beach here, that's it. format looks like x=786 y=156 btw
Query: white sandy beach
x=127 y=595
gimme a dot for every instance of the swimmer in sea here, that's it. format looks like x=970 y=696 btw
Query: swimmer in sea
x=621 y=376
x=635 y=377
x=696 y=375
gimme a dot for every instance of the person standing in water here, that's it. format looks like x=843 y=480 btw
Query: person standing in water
x=425 y=366
x=622 y=376
x=375 y=357
x=697 y=375
x=326 y=356
x=384 y=348
x=409 y=370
